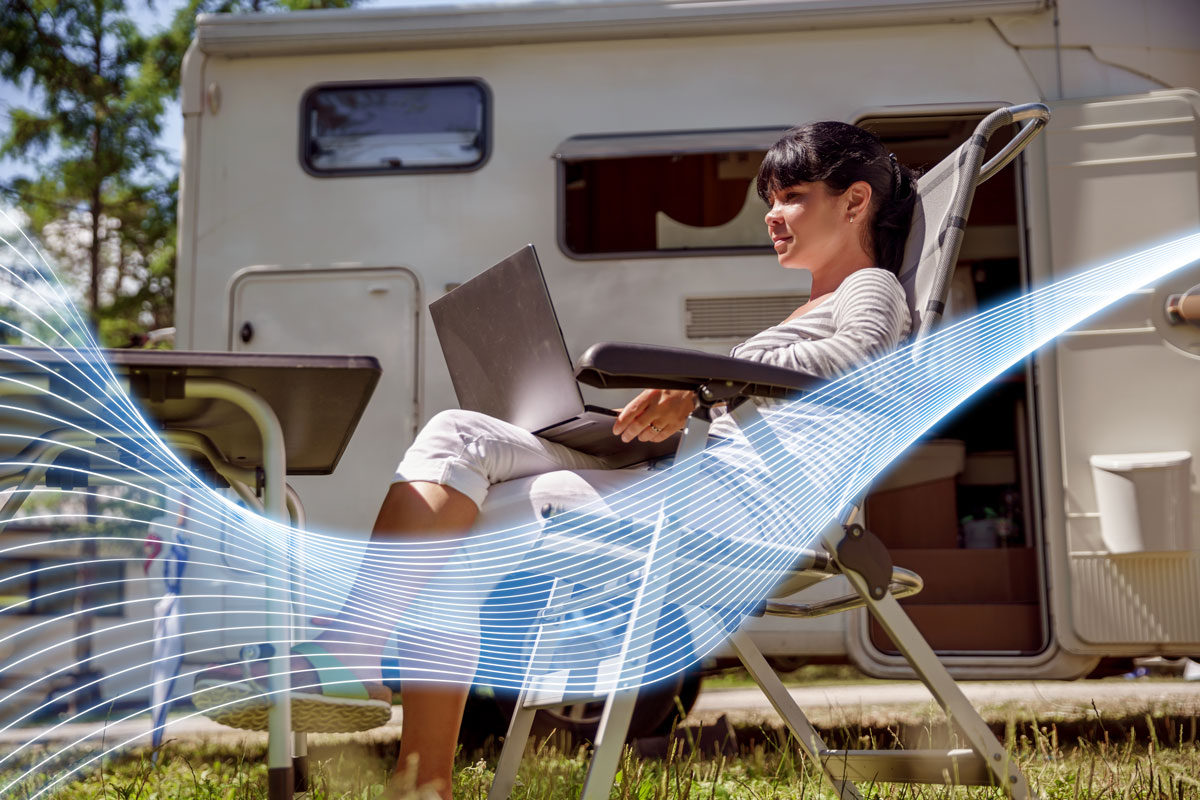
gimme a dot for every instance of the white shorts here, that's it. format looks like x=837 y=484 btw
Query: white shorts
x=470 y=452
x=520 y=480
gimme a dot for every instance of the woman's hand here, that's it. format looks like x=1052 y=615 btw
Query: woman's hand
x=655 y=415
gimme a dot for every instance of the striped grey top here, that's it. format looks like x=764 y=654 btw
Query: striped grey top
x=866 y=317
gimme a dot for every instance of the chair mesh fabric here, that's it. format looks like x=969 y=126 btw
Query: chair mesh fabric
x=944 y=196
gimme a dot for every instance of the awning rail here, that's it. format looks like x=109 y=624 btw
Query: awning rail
x=671 y=143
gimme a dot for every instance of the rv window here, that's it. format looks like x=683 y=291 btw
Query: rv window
x=671 y=194
x=384 y=128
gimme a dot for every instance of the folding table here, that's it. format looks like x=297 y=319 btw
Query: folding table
x=252 y=418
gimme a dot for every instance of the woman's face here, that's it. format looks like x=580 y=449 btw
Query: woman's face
x=808 y=225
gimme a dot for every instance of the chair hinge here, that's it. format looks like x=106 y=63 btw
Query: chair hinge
x=864 y=553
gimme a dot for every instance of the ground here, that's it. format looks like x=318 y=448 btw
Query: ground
x=1083 y=740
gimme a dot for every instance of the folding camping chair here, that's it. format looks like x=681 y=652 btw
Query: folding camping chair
x=945 y=194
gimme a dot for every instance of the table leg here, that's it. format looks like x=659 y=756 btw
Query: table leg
x=300 y=760
x=280 y=778
x=299 y=628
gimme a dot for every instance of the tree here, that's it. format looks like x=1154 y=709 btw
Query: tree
x=169 y=46
x=101 y=194
x=94 y=141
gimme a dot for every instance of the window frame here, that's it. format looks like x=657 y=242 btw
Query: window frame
x=485 y=132
x=560 y=161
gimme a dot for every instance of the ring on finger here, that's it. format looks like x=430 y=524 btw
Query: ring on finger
x=655 y=428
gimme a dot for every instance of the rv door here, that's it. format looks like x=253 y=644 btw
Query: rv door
x=1117 y=394
x=343 y=310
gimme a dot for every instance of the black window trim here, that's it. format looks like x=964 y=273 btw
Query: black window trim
x=563 y=155
x=485 y=133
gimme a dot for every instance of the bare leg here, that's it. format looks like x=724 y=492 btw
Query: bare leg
x=419 y=508
x=432 y=712
x=432 y=716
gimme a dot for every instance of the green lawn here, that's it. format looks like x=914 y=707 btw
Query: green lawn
x=1122 y=760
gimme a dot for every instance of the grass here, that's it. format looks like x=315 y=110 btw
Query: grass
x=1130 y=759
x=808 y=675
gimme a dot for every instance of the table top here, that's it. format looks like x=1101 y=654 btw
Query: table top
x=318 y=399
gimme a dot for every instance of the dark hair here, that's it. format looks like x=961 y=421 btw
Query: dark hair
x=838 y=155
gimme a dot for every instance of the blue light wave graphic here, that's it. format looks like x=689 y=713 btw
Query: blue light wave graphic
x=606 y=595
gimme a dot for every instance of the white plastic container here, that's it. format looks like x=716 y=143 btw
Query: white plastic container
x=1144 y=501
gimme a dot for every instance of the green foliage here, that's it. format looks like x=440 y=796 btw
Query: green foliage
x=168 y=47
x=100 y=191
x=97 y=193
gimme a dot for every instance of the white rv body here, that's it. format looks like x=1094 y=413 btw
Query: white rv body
x=347 y=264
x=262 y=240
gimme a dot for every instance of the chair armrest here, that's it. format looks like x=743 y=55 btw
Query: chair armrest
x=619 y=365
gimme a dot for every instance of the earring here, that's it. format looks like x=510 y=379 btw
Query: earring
x=852 y=218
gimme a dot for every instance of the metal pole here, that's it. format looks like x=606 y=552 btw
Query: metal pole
x=280 y=778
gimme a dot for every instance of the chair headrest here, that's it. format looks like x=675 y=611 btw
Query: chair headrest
x=944 y=196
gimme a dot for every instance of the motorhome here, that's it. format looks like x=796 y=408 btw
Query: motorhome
x=342 y=169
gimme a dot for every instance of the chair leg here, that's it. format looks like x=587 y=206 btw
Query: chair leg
x=933 y=674
x=610 y=744
x=514 y=748
x=810 y=741
x=521 y=724
x=924 y=662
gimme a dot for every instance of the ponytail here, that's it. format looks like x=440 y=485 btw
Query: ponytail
x=893 y=217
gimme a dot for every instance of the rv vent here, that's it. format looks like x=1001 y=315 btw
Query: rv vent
x=738 y=317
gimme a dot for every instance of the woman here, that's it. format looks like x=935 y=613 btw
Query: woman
x=840 y=207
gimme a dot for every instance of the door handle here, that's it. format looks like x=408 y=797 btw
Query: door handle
x=1184 y=309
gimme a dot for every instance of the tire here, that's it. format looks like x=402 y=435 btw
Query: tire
x=1111 y=668
x=655 y=713
x=505 y=617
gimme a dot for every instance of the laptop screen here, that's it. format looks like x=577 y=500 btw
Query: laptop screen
x=504 y=347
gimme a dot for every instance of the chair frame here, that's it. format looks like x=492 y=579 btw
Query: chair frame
x=847 y=548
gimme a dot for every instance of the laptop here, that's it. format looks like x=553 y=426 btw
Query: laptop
x=508 y=359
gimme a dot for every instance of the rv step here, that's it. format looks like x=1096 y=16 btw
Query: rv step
x=953 y=767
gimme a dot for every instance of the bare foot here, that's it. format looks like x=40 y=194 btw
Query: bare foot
x=403 y=786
